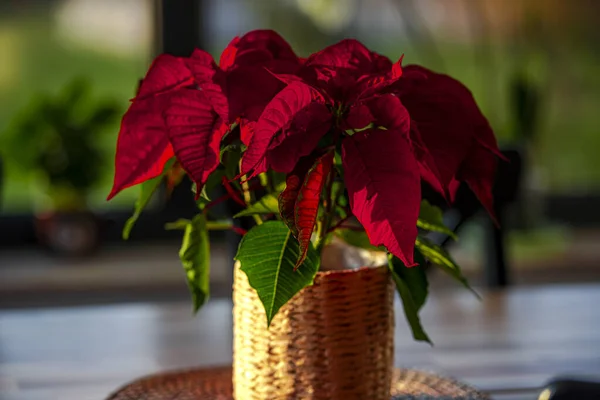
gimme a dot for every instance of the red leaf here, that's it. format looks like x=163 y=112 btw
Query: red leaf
x=211 y=80
x=377 y=83
x=300 y=139
x=260 y=48
x=214 y=94
x=143 y=145
x=339 y=67
x=428 y=167
x=443 y=112
x=286 y=78
x=247 y=131
x=166 y=73
x=383 y=183
x=384 y=111
x=287 y=198
x=228 y=55
x=276 y=116
x=452 y=129
x=307 y=204
x=349 y=54
x=202 y=66
x=247 y=62
x=263 y=46
x=389 y=112
x=195 y=131
x=249 y=90
x=359 y=116
x=479 y=171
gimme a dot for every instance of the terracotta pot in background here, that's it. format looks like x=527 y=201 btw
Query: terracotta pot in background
x=69 y=233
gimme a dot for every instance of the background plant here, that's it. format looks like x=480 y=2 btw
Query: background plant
x=56 y=138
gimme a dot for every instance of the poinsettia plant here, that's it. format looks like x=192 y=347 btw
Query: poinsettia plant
x=335 y=145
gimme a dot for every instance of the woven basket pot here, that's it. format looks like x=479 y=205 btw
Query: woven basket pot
x=333 y=340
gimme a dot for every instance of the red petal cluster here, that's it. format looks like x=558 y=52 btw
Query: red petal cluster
x=184 y=106
x=396 y=126
x=299 y=201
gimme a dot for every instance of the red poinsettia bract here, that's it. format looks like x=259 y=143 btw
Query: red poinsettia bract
x=393 y=126
x=186 y=104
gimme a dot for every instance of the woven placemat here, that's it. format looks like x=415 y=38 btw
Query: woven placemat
x=215 y=384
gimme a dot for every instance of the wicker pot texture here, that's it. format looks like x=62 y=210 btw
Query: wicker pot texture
x=333 y=340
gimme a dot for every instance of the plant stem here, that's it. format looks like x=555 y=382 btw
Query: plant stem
x=328 y=205
x=226 y=197
x=338 y=224
x=248 y=198
x=270 y=182
x=231 y=192
x=319 y=229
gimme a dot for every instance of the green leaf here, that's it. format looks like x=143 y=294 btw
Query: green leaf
x=337 y=161
x=410 y=297
x=341 y=212
x=213 y=181
x=338 y=193
x=233 y=147
x=268 y=253
x=357 y=239
x=351 y=132
x=180 y=224
x=431 y=219
x=195 y=257
x=268 y=204
x=147 y=190
x=231 y=128
x=278 y=179
x=204 y=195
x=440 y=257
x=219 y=225
x=264 y=179
x=415 y=278
x=230 y=159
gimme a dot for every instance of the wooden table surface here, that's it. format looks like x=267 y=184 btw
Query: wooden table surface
x=510 y=342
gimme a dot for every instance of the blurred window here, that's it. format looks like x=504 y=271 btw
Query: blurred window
x=45 y=46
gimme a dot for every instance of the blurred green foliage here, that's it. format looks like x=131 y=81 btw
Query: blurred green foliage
x=34 y=60
x=55 y=138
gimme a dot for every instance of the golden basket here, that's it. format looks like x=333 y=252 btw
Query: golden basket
x=333 y=340
x=215 y=384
